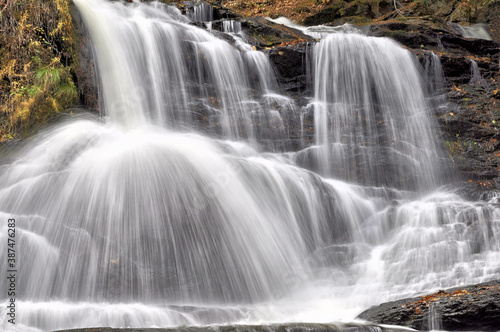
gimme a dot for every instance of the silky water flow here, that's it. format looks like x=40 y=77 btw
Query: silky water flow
x=183 y=206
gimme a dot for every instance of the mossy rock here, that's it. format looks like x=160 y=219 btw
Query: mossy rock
x=326 y=15
x=266 y=34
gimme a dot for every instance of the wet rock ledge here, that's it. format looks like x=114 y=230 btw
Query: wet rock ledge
x=292 y=327
x=470 y=308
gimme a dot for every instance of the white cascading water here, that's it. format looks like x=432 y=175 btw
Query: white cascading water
x=316 y=31
x=138 y=221
x=475 y=74
x=200 y=71
x=231 y=26
x=202 y=12
x=434 y=77
x=479 y=31
x=373 y=123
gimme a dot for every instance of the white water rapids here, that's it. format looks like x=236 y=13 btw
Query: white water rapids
x=182 y=205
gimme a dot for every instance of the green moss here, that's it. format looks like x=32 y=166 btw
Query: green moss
x=396 y=33
x=358 y=20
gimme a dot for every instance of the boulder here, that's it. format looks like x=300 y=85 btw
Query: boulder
x=470 y=308
x=264 y=33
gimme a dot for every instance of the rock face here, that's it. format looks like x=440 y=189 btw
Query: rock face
x=291 y=64
x=264 y=33
x=472 y=308
x=350 y=12
x=85 y=72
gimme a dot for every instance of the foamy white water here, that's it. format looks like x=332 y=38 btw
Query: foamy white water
x=144 y=219
x=316 y=31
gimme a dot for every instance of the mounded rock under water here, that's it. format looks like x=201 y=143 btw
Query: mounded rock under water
x=292 y=327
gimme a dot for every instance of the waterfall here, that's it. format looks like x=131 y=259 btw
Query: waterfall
x=203 y=81
x=475 y=74
x=434 y=76
x=202 y=12
x=316 y=31
x=231 y=26
x=373 y=125
x=480 y=30
x=185 y=204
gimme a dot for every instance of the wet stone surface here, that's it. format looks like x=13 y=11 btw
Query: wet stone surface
x=471 y=308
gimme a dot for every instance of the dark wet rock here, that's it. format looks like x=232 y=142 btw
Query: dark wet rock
x=291 y=64
x=326 y=15
x=264 y=33
x=85 y=71
x=470 y=128
x=470 y=308
x=349 y=12
x=475 y=46
x=456 y=69
x=433 y=35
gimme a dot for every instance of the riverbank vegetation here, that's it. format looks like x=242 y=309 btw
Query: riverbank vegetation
x=37 y=55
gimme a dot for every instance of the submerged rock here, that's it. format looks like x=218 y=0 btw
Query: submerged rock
x=471 y=308
x=292 y=327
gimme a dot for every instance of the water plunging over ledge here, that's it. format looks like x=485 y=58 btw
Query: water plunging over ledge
x=372 y=119
x=178 y=207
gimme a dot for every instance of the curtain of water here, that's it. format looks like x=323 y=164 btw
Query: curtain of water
x=373 y=124
x=179 y=75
